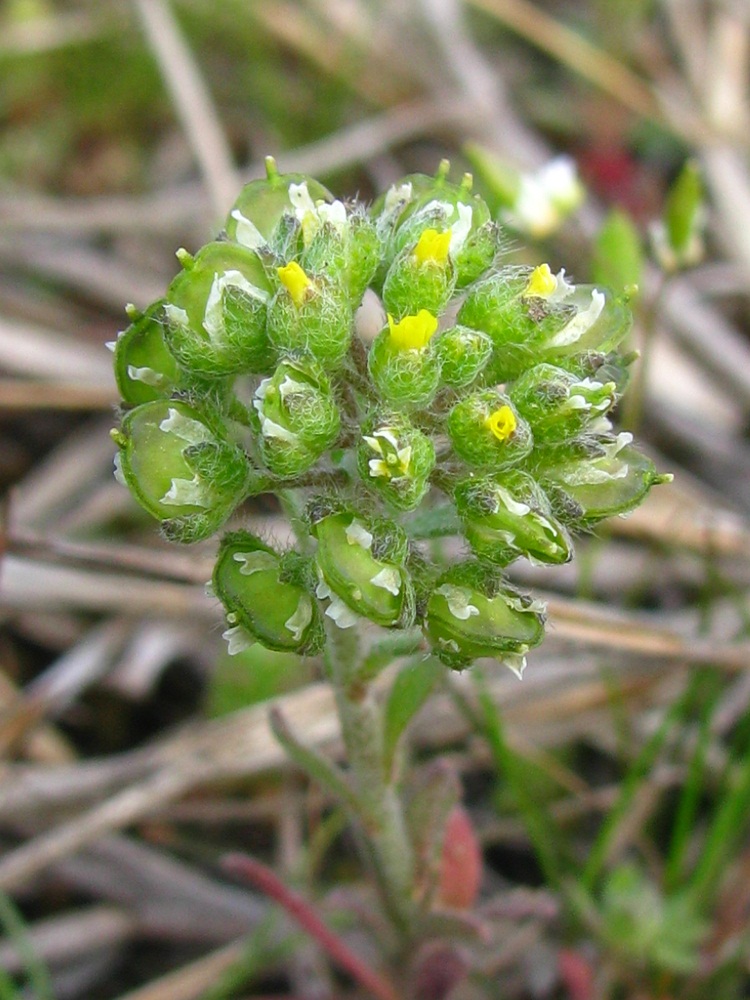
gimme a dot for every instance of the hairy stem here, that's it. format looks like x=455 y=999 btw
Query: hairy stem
x=362 y=731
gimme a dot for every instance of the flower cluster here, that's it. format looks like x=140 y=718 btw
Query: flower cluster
x=480 y=410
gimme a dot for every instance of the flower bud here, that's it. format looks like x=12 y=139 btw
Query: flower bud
x=614 y=481
x=509 y=516
x=361 y=565
x=180 y=468
x=557 y=404
x=472 y=614
x=216 y=312
x=486 y=430
x=418 y=202
x=347 y=254
x=396 y=460
x=310 y=313
x=144 y=367
x=463 y=354
x=267 y=597
x=297 y=416
x=262 y=204
x=403 y=363
x=421 y=275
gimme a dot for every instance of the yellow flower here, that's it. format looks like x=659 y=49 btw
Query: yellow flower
x=502 y=423
x=294 y=279
x=542 y=283
x=433 y=245
x=412 y=333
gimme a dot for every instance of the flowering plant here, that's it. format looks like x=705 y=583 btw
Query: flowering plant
x=480 y=410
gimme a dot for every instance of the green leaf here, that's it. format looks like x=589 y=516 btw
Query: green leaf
x=618 y=253
x=683 y=208
x=410 y=690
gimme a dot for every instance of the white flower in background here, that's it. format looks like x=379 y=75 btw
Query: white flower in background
x=546 y=198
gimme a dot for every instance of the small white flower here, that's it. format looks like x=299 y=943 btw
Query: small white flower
x=397 y=197
x=395 y=461
x=546 y=198
x=311 y=216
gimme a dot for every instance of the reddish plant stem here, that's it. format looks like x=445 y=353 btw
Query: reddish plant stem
x=265 y=879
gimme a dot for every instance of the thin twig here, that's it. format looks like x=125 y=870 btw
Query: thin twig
x=192 y=102
x=264 y=878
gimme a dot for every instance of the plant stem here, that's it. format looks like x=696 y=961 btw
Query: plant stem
x=362 y=732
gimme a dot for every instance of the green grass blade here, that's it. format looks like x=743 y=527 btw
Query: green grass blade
x=543 y=832
x=36 y=971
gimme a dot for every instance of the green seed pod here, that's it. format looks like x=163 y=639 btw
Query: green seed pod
x=362 y=572
x=144 y=367
x=557 y=404
x=614 y=482
x=486 y=430
x=463 y=354
x=267 y=597
x=403 y=363
x=181 y=469
x=422 y=275
x=472 y=614
x=509 y=516
x=262 y=204
x=297 y=416
x=216 y=312
x=310 y=313
x=396 y=460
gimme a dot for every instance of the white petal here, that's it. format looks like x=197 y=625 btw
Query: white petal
x=270 y=429
x=511 y=505
x=110 y=345
x=461 y=229
x=175 y=315
x=397 y=197
x=389 y=578
x=378 y=468
x=357 y=534
x=213 y=318
x=301 y=618
x=246 y=232
x=146 y=375
x=572 y=332
x=516 y=663
x=301 y=201
x=185 y=428
x=255 y=562
x=334 y=215
x=457 y=599
x=341 y=613
x=118 y=470
x=186 y=493
x=289 y=387
x=373 y=443
x=238 y=640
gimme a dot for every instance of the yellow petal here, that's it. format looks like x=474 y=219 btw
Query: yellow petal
x=542 y=283
x=294 y=279
x=412 y=333
x=502 y=423
x=432 y=245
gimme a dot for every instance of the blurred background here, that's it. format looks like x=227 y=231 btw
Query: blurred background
x=131 y=751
